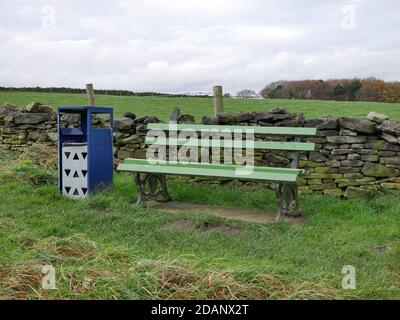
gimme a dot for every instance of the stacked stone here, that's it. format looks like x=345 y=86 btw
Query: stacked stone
x=19 y=129
x=275 y=117
x=129 y=135
x=353 y=156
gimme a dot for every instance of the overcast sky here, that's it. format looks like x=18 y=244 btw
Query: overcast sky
x=190 y=45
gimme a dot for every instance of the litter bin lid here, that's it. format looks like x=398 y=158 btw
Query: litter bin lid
x=66 y=144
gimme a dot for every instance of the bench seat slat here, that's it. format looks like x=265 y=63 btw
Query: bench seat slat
x=213 y=165
x=271 y=145
x=291 y=131
x=216 y=170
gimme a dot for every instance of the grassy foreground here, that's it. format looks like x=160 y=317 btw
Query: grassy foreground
x=162 y=107
x=107 y=247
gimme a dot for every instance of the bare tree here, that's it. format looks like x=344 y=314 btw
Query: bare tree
x=246 y=94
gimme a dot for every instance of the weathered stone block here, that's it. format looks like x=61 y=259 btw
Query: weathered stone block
x=367 y=151
x=304 y=190
x=390 y=160
x=118 y=161
x=390 y=138
x=140 y=154
x=346 y=139
x=352 y=192
x=356 y=124
x=320 y=187
x=9 y=109
x=37 y=107
x=315 y=140
x=396 y=166
x=315 y=175
x=352 y=163
x=150 y=119
x=209 y=121
x=378 y=170
x=370 y=157
x=341 y=151
x=339 y=157
x=226 y=118
x=34 y=135
x=129 y=115
x=330 y=146
x=245 y=117
x=333 y=163
x=357 y=145
x=316 y=156
x=353 y=156
x=32 y=118
x=382 y=145
x=334 y=192
x=390 y=185
x=311 y=164
x=347 y=132
x=324 y=152
x=132 y=139
x=186 y=118
x=387 y=153
x=326 y=169
x=272 y=117
x=327 y=133
x=352 y=176
x=391 y=127
x=324 y=123
x=301 y=181
x=314 y=181
x=123 y=154
x=272 y=157
x=43 y=137
x=355 y=182
x=124 y=124
x=349 y=169
x=377 y=117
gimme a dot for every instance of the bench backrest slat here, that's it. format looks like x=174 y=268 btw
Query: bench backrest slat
x=290 y=131
x=214 y=143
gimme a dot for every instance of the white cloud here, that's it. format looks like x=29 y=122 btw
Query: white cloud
x=182 y=45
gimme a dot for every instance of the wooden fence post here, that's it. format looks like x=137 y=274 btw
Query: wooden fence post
x=218 y=103
x=90 y=94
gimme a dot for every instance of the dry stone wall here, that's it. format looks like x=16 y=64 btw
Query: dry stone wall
x=353 y=156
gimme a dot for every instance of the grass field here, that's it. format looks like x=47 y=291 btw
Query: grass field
x=108 y=247
x=162 y=107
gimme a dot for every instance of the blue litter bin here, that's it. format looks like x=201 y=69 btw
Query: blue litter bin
x=85 y=149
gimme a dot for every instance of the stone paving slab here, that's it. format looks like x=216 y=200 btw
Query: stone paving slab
x=243 y=214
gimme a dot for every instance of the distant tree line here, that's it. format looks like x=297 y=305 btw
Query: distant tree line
x=370 y=89
x=97 y=91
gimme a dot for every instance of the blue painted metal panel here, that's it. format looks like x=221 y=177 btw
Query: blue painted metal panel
x=99 y=143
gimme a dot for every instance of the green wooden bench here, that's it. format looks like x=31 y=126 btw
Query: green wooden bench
x=150 y=176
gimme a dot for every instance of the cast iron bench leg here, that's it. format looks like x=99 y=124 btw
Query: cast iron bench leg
x=288 y=201
x=152 y=181
x=165 y=197
x=140 y=188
